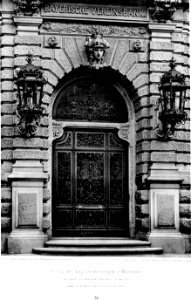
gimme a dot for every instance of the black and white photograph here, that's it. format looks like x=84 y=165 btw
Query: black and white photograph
x=95 y=149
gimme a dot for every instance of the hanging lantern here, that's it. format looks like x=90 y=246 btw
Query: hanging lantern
x=171 y=103
x=30 y=82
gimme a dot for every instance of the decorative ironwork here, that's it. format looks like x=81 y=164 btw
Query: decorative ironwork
x=64 y=178
x=116 y=179
x=162 y=10
x=88 y=101
x=30 y=82
x=95 y=49
x=27 y=7
x=90 y=178
x=171 y=102
x=95 y=140
x=113 y=143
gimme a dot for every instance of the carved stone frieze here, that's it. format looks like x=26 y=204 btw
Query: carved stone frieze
x=124 y=132
x=84 y=29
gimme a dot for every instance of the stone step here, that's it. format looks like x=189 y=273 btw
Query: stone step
x=96 y=242
x=97 y=251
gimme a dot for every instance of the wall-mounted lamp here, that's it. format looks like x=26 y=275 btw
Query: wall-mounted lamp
x=171 y=102
x=30 y=82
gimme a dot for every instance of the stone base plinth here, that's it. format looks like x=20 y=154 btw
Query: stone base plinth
x=171 y=242
x=23 y=241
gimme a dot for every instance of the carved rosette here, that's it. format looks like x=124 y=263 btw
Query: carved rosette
x=27 y=7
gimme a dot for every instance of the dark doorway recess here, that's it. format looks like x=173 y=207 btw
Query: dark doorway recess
x=90 y=184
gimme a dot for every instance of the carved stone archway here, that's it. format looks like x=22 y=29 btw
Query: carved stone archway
x=125 y=129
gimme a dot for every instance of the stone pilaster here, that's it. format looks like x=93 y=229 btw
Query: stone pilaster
x=27 y=207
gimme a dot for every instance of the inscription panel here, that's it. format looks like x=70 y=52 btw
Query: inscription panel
x=27 y=209
x=165 y=208
x=80 y=11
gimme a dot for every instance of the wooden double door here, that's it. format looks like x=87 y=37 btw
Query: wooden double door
x=90 y=184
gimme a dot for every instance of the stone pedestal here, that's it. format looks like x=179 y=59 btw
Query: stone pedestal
x=164 y=208
x=27 y=200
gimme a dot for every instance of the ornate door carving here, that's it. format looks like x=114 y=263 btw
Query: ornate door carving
x=89 y=184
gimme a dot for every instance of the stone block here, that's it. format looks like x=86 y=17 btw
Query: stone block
x=160 y=56
x=6 y=97
x=46 y=208
x=179 y=58
x=163 y=157
x=177 y=37
x=6 y=194
x=28 y=143
x=159 y=67
x=142 y=210
x=143 y=91
x=69 y=45
x=144 y=101
x=142 y=224
x=7 y=154
x=185 y=211
x=7 y=52
x=48 y=89
x=143 y=135
x=7 y=40
x=45 y=144
x=7 y=131
x=121 y=50
x=142 y=196
x=7 y=74
x=182 y=147
x=185 y=196
x=24 y=50
x=143 y=157
x=6 y=209
x=185 y=225
x=28 y=154
x=28 y=40
x=62 y=59
x=7 y=85
x=154 y=88
x=47 y=53
x=155 y=77
x=6 y=143
x=142 y=169
x=136 y=70
x=46 y=194
x=8 y=29
x=182 y=135
x=141 y=80
x=5 y=224
x=45 y=224
x=7 y=62
x=4 y=237
x=178 y=48
x=163 y=146
x=44 y=121
x=183 y=158
x=83 y=56
x=142 y=113
x=6 y=120
x=126 y=63
x=144 y=146
x=52 y=66
x=143 y=123
x=164 y=46
x=143 y=57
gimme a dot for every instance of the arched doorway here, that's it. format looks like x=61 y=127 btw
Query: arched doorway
x=90 y=184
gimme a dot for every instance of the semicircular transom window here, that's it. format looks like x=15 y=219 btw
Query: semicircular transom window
x=90 y=99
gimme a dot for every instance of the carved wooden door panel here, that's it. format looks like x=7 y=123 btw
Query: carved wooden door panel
x=90 y=196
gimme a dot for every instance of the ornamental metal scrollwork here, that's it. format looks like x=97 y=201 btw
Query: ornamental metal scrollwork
x=27 y=7
x=96 y=46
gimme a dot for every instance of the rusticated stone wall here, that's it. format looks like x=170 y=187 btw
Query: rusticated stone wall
x=143 y=68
